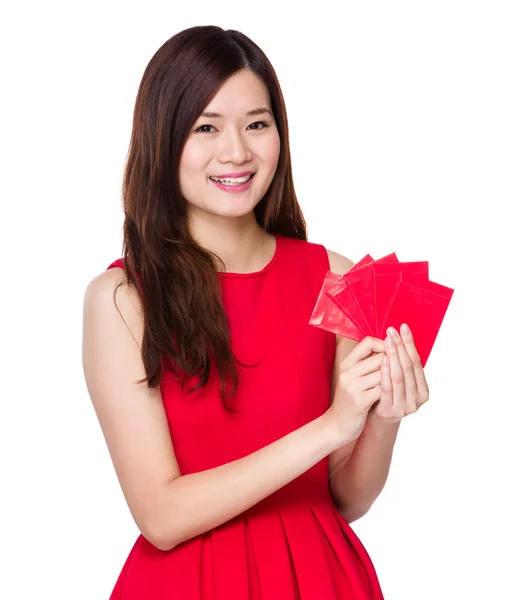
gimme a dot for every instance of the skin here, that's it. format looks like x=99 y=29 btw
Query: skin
x=359 y=470
x=404 y=388
x=220 y=221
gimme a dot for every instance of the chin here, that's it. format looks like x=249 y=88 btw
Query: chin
x=232 y=209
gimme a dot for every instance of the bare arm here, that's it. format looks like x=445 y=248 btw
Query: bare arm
x=185 y=509
x=357 y=470
x=340 y=264
x=363 y=474
x=169 y=508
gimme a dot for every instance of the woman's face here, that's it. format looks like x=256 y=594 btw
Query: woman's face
x=233 y=143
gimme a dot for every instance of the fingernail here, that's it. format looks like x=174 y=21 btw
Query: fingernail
x=389 y=341
x=405 y=329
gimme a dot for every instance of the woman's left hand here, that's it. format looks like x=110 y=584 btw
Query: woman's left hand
x=403 y=383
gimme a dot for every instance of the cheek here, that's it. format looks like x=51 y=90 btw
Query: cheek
x=270 y=150
x=192 y=168
x=193 y=161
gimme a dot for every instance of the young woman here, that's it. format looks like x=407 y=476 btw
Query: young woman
x=223 y=410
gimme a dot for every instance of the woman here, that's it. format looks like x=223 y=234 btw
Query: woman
x=228 y=485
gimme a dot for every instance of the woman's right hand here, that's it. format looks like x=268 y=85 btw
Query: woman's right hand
x=357 y=388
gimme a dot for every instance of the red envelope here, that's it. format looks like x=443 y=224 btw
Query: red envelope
x=374 y=295
x=328 y=316
x=354 y=293
x=422 y=307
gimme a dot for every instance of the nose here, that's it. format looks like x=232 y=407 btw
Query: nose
x=233 y=147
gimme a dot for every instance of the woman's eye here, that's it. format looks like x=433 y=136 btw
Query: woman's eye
x=264 y=123
x=200 y=129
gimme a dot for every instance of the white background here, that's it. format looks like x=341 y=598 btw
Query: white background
x=408 y=127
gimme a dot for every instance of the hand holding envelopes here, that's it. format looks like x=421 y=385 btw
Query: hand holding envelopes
x=376 y=294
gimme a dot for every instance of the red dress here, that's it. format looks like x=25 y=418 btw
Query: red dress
x=294 y=544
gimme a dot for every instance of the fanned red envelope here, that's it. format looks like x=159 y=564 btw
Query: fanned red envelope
x=376 y=294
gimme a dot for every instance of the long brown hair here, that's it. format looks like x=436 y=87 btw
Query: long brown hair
x=185 y=323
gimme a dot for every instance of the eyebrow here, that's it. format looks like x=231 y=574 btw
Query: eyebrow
x=250 y=113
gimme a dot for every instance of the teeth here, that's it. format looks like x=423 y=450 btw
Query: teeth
x=230 y=180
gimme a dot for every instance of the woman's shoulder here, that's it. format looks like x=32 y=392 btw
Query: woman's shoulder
x=339 y=263
x=105 y=283
x=106 y=301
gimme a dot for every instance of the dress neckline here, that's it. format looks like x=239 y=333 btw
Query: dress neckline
x=269 y=265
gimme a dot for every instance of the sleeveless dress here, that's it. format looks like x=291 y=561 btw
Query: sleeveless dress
x=294 y=544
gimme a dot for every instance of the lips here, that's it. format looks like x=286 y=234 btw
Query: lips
x=242 y=174
x=234 y=187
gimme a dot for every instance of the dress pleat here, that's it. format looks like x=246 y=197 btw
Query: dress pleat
x=308 y=553
x=231 y=578
x=272 y=556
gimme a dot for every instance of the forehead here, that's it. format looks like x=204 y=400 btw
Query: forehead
x=240 y=94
